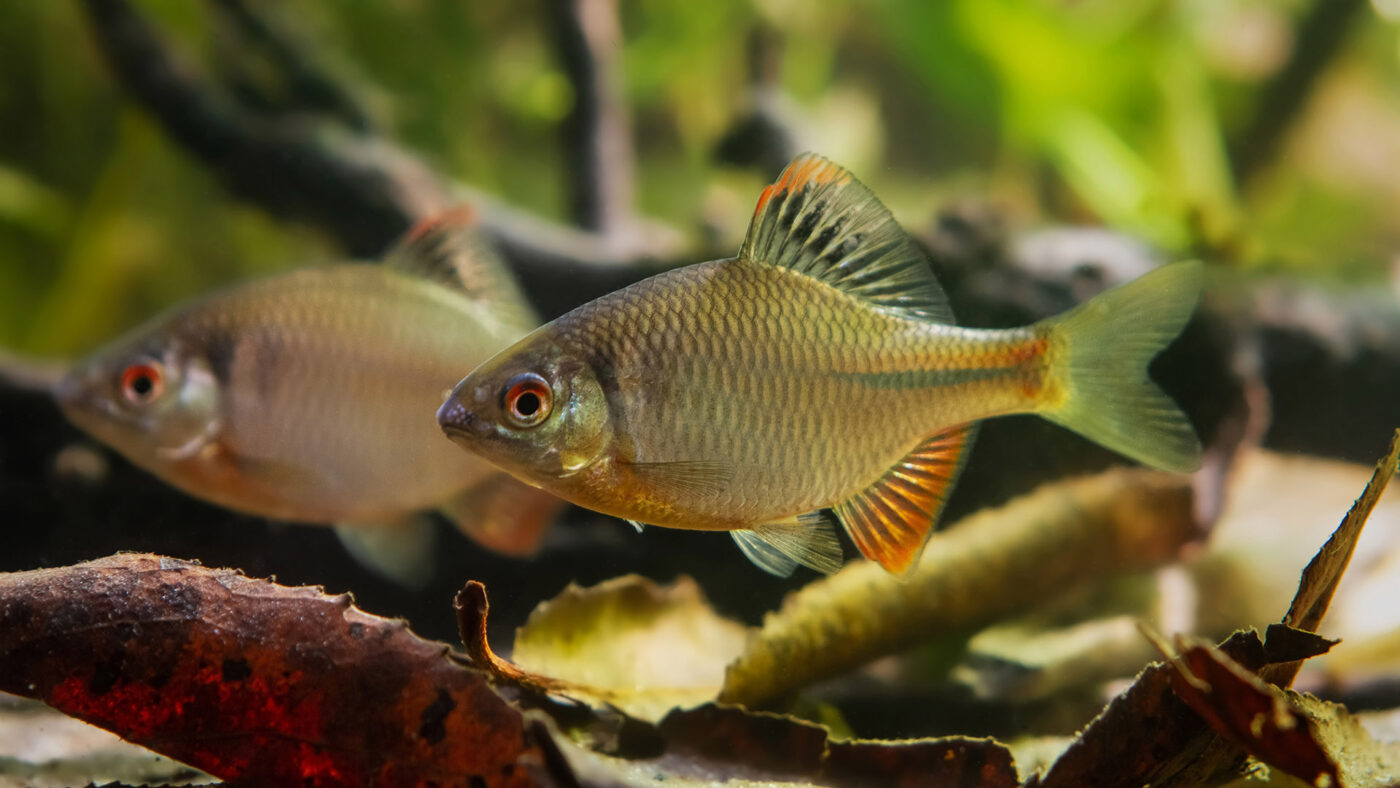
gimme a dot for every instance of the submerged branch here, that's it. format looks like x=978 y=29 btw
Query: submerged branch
x=596 y=135
x=984 y=567
x=1320 y=37
x=361 y=189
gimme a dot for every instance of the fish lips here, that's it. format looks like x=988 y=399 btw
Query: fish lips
x=460 y=423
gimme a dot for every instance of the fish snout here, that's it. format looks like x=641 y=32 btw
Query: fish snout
x=72 y=392
x=458 y=421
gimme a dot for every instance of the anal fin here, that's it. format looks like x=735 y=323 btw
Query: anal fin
x=777 y=548
x=891 y=520
x=504 y=514
x=400 y=549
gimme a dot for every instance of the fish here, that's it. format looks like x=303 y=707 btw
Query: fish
x=308 y=396
x=816 y=379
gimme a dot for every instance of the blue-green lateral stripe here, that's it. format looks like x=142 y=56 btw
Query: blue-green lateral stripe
x=926 y=378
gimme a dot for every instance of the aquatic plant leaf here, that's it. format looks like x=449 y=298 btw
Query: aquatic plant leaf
x=1251 y=713
x=254 y=682
x=985 y=567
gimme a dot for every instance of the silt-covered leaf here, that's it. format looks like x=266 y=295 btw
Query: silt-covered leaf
x=651 y=648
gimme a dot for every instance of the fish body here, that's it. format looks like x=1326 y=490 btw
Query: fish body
x=307 y=396
x=818 y=370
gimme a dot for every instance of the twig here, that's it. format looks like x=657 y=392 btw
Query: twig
x=362 y=193
x=308 y=82
x=1320 y=36
x=597 y=138
x=362 y=190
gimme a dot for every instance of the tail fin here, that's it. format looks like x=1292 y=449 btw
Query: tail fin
x=1100 y=354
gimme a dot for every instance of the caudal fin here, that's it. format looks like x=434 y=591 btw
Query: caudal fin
x=1100 y=353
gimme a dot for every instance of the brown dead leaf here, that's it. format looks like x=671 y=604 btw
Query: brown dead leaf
x=724 y=745
x=1149 y=736
x=1324 y=573
x=985 y=567
x=709 y=744
x=1256 y=716
x=254 y=682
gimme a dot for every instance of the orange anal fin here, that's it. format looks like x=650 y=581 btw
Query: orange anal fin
x=891 y=520
x=505 y=515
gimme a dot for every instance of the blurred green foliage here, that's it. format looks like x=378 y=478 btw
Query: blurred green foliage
x=1117 y=112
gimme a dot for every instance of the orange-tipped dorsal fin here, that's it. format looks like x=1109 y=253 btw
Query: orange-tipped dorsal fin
x=451 y=250
x=818 y=220
x=891 y=520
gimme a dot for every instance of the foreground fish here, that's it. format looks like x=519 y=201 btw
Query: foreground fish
x=308 y=396
x=818 y=369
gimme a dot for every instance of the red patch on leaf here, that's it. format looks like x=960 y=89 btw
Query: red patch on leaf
x=254 y=682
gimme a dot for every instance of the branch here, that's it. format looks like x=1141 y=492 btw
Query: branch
x=597 y=138
x=309 y=84
x=1320 y=36
x=362 y=190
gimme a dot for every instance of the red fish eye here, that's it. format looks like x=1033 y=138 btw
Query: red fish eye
x=142 y=383
x=528 y=400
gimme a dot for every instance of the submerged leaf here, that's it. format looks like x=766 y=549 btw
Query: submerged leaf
x=254 y=682
x=1256 y=716
x=709 y=744
x=652 y=647
x=1148 y=735
x=1324 y=573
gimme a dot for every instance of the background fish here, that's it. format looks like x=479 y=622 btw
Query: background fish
x=309 y=396
x=818 y=369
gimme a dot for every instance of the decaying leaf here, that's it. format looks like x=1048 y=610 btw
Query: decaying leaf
x=627 y=644
x=40 y=746
x=712 y=744
x=1256 y=716
x=716 y=745
x=1149 y=736
x=254 y=682
x=652 y=648
x=984 y=567
x=1323 y=574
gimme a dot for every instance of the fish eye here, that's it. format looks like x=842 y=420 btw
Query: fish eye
x=142 y=383
x=527 y=400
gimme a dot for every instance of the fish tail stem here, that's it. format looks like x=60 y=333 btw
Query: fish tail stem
x=1098 y=360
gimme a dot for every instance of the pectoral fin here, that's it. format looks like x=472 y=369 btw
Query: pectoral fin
x=777 y=548
x=504 y=514
x=683 y=477
x=891 y=521
x=401 y=549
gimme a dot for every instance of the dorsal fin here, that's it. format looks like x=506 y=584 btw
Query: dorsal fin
x=817 y=219
x=449 y=249
x=891 y=521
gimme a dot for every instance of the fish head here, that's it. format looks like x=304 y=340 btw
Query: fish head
x=535 y=410
x=152 y=398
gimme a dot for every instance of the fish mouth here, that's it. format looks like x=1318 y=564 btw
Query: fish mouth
x=457 y=422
